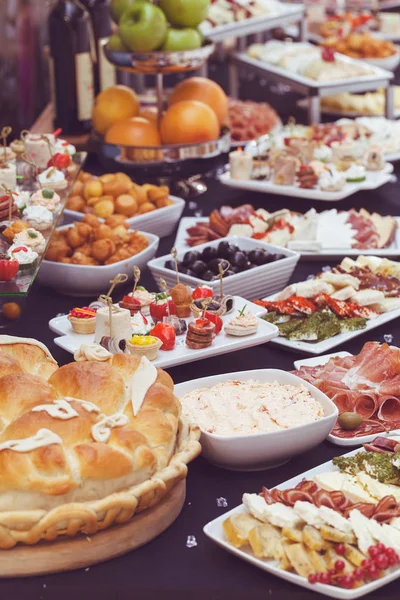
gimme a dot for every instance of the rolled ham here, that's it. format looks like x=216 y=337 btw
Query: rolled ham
x=366 y=404
x=389 y=409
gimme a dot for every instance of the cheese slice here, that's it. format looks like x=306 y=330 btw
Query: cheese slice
x=359 y=524
x=376 y=488
x=332 y=482
x=380 y=534
x=335 y=519
x=355 y=492
x=392 y=533
x=277 y=514
x=309 y=513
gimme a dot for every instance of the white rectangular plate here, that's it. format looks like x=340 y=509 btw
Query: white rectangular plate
x=377 y=74
x=373 y=180
x=393 y=251
x=337 y=340
x=71 y=341
x=303 y=103
x=215 y=532
x=346 y=442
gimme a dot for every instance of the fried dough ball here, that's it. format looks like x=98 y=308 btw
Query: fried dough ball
x=77 y=188
x=120 y=234
x=103 y=209
x=163 y=201
x=86 y=249
x=126 y=205
x=76 y=203
x=146 y=207
x=58 y=250
x=65 y=261
x=81 y=259
x=103 y=249
x=92 y=188
x=78 y=234
x=122 y=254
x=91 y=220
x=157 y=192
x=83 y=176
x=116 y=220
x=140 y=193
x=102 y=232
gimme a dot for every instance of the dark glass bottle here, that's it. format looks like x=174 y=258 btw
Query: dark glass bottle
x=71 y=66
x=105 y=73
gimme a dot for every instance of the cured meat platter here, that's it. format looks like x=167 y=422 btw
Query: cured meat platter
x=391 y=251
x=370 y=377
x=303 y=490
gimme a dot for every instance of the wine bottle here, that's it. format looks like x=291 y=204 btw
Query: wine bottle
x=105 y=72
x=71 y=66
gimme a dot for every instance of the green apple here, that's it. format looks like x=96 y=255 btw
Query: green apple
x=118 y=7
x=115 y=43
x=185 y=13
x=182 y=39
x=143 y=28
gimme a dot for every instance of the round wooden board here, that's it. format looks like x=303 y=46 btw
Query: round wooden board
x=81 y=552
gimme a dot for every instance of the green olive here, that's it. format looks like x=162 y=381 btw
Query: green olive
x=350 y=420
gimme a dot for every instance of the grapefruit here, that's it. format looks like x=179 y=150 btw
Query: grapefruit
x=204 y=90
x=112 y=105
x=189 y=122
x=133 y=132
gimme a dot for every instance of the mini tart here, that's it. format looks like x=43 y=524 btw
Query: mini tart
x=242 y=325
x=53 y=179
x=83 y=324
x=144 y=345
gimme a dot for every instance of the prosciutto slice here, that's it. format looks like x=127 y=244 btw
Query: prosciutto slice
x=366 y=404
x=389 y=409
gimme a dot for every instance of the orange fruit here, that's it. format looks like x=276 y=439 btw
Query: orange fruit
x=112 y=105
x=150 y=113
x=133 y=132
x=203 y=90
x=189 y=122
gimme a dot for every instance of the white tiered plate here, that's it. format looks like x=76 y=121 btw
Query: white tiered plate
x=222 y=344
x=215 y=532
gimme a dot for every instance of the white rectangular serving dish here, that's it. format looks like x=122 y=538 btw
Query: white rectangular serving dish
x=181 y=354
x=337 y=340
x=249 y=284
x=346 y=442
x=303 y=103
x=160 y=222
x=84 y=280
x=392 y=251
x=214 y=531
x=373 y=180
x=257 y=451
x=377 y=73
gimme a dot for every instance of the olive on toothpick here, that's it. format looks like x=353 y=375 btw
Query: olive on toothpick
x=136 y=278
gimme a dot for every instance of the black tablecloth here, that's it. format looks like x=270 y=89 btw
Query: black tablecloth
x=166 y=567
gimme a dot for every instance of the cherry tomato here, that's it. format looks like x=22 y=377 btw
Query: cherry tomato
x=216 y=320
x=160 y=308
x=202 y=292
x=165 y=333
x=60 y=161
x=8 y=267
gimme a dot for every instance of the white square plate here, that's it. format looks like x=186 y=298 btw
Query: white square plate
x=214 y=531
x=71 y=341
x=392 y=251
x=346 y=442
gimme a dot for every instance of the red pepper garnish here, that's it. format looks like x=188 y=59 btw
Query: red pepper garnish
x=131 y=300
x=216 y=320
x=8 y=267
x=166 y=334
x=327 y=54
x=162 y=308
x=60 y=161
x=202 y=292
x=20 y=249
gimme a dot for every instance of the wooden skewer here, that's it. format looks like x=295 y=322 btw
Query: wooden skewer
x=120 y=278
x=5 y=132
x=222 y=272
x=136 y=278
x=175 y=257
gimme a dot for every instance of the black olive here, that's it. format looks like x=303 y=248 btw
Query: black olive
x=207 y=276
x=246 y=266
x=278 y=257
x=209 y=253
x=229 y=273
x=253 y=265
x=186 y=271
x=170 y=264
x=226 y=250
x=213 y=265
x=258 y=256
x=235 y=269
x=198 y=267
x=214 y=306
x=191 y=257
x=238 y=259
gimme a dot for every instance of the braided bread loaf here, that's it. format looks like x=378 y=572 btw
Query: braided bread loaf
x=84 y=445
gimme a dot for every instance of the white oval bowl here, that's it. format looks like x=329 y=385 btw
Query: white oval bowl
x=390 y=63
x=86 y=280
x=161 y=222
x=258 y=451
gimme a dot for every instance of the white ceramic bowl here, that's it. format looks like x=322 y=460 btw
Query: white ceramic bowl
x=262 y=450
x=390 y=63
x=161 y=222
x=256 y=283
x=84 y=280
